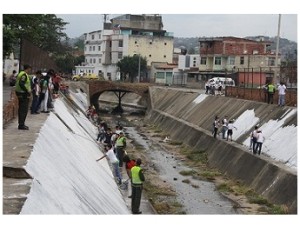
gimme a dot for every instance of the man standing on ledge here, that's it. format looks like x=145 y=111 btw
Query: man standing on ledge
x=23 y=92
x=137 y=178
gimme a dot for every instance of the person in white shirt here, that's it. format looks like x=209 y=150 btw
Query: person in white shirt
x=259 y=142
x=111 y=156
x=281 y=94
x=230 y=129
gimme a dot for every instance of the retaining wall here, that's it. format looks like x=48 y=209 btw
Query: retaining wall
x=189 y=120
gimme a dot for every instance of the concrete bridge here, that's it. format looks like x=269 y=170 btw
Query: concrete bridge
x=96 y=88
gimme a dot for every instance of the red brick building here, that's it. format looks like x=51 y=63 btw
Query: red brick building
x=228 y=56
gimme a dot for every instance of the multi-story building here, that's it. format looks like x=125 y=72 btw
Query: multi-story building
x=92 y=53
x=126 y=35
x=221 y=56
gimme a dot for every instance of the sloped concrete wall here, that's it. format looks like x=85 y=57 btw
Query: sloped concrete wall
x=188 y=117
x=66 y=177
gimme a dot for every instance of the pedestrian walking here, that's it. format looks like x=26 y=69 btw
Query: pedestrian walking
x=271 y=91
x=281 y=94
x=230 y=129
x=23 y=92
x=259 y=142
x=254 y=139
x=216 y=124
x=137 y=186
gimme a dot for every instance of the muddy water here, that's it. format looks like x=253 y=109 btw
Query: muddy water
x=196 y=196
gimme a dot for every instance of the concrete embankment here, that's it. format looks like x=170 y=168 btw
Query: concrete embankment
x=188 y=116
x=51 y=168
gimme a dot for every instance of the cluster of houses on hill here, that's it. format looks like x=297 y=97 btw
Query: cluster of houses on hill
x=248 y=62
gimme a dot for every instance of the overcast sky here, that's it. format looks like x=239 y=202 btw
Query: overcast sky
x=195 y=25
x=185 y=18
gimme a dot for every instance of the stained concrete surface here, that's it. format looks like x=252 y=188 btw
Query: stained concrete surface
x=17 y=147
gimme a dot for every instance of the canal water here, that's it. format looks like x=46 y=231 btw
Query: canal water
x=196 y=196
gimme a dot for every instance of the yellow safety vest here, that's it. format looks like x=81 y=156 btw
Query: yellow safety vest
x=27 y=83
x=271 y=88
x=135 y=175
x=121 y=142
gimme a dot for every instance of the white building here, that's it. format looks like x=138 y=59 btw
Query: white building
x=126 y=35
x=10 y=64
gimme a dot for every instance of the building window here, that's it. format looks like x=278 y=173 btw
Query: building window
x=90 y=48
x=242 y=60
x=85 y=37
x=99 y=36
x=85 y=48
x=135 y=42
x=94 y=61
x=271 y=61
x=231 y=60
x=93 y=37
x=218 y=61
x=86 y=61
x=203 y=61
x=160 y=75
x=149 y=55
x=165 y=56
x=99 y=61
x=120 y=55
x=150 y=42
x=91 y=60
x=94 y=48
x=99 y=48
x=120 y=43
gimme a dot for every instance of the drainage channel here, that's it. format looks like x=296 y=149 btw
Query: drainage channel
x=196 y=196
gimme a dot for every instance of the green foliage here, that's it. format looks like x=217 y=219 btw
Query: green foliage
x=43 y=30
x=224 y=187
x=129 y=66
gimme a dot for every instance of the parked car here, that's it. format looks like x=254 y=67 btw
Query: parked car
x=89 y=76
x=217 y=81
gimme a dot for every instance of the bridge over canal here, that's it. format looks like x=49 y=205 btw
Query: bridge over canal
x=96 y=88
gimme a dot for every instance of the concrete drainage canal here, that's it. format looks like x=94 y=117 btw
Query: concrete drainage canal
x=192 y=196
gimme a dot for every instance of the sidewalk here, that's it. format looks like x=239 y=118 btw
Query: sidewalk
x=17 y=147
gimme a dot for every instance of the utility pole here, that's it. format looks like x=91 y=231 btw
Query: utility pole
x=277 y=48
x=139 y=71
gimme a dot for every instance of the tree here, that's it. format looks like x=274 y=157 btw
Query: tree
x=43 y=30
x=129 y=65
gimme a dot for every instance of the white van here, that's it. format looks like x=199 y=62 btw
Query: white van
x=223 y=81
